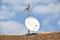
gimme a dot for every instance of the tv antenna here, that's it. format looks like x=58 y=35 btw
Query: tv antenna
x=28 y=10
x=31 y=23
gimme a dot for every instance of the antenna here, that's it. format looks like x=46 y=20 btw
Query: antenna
x=31 y=23
x=28 y=10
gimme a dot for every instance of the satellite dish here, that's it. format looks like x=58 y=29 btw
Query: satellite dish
x=32 y=23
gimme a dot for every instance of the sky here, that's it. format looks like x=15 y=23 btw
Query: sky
x=12 y=17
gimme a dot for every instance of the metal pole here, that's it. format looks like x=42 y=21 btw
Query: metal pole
x=28 y=9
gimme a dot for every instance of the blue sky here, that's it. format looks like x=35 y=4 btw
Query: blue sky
x=12 y=19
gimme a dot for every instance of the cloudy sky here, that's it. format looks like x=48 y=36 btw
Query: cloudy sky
x=12 y=18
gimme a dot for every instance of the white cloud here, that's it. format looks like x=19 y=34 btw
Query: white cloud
x=16 y=4
x=5 y=13
x=50 y=1
x=45 y=22
x=21 y=1
x=51 y=29
x=40 y=1
x=58 y=22
x=12 y=27
x=31 y=1
x=51 y=11
x=10 y=1
x=48 y=26
x=47 y=9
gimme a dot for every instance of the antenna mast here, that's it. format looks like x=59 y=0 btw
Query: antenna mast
x=35 y=23
x=28 y=9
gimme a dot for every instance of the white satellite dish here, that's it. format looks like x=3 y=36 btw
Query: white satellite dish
x=32 y=23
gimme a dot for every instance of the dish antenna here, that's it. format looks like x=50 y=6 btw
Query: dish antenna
x=31 y=22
